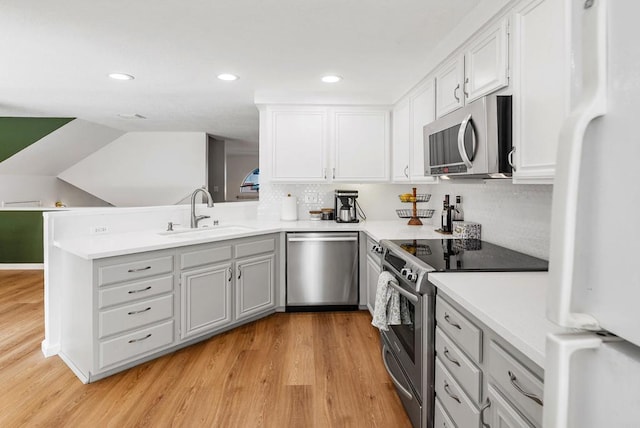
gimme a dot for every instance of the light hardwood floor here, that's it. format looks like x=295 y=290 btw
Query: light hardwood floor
x=287 y=370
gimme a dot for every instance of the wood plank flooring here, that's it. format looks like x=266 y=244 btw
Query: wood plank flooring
x=287 y=370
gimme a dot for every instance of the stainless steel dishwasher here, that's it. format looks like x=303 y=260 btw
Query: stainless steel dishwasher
x=322 y=270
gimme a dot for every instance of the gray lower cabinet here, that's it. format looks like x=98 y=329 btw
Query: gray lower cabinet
x=480 y=379
x=255 y=286
x=373 y=263
x=205 y=299
x=120 y=311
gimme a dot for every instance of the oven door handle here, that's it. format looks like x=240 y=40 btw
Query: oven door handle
x=412 y=298
x=395 y=381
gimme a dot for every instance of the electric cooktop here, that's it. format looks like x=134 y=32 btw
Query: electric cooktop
x=445 y=255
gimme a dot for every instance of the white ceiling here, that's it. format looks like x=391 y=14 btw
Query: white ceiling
x=56 y=56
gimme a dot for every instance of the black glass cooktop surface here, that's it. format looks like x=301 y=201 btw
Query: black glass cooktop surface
x=445 y=255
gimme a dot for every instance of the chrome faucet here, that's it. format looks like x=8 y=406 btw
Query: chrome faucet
x=196 y=218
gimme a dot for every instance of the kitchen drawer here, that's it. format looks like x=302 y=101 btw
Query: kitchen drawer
x=468 y=375
x=205 y=256
x=441 y=418
x=462 y=410
x=133 y=270
x=134 y=291
x=463 y=332
x=514 y=380
x=132 y=316
x=134 y=344
x=255 y=247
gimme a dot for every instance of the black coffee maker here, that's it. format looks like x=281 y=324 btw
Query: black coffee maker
x=346 y=206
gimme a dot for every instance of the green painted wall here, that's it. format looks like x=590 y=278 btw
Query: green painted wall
x=16 y=133
x=21 y=237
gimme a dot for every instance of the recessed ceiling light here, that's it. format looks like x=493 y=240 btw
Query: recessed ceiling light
x=121 y=76
x=331 y=79
x=227 y=76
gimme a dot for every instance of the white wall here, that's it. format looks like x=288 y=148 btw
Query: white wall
x=143 y=168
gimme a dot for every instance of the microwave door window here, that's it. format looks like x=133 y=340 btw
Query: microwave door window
x=452 y=152
x=436 y=149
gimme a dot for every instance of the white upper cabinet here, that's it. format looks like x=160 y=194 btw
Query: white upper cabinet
x=487 y=62
x=360 y=140
x=449 y=79
x=541 y=87
x=410 y=115
x=423 y=112
x=401 y=141
x=299 y=144
x=319 y=144
x=479 y=69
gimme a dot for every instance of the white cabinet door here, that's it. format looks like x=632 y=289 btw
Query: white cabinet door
x=401 y=141
x=373 y=271
x=205 y=299
x=449 y=79
x=423 y=111
x=541 y=87
x=360 y=145
x=299 y=144
x=255 y=285
x=486 y=63
x=501 y=414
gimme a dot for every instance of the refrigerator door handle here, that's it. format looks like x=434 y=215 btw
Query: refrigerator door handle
x=559 y=350
x=593 y=103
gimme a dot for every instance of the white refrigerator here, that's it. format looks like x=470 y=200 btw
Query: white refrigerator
x=592 y=376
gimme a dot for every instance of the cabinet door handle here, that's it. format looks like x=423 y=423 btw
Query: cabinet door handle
x=510 y=158
x=450 y=358
x=464 y=88
x=139 y=291
x=455 y=93
x=140 y=339
x=139 y=269
x=239 y=273
x=334 y=173
x=484 y=407
x=406 y=169
x=230 y=274
x=324 y=172
x=518 y=388
x=139 y=312
x=448 y=391
x=448 y=319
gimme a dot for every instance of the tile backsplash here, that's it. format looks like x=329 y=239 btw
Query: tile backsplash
x=514 y=216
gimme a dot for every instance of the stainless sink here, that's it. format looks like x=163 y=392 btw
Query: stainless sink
x=206 y=231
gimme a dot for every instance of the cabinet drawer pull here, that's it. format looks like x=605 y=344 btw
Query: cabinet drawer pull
x=139 y=269
x=139 y=312
x=518 y=388
x=484 y=407
x=454 y=361
x=139 y=291
x=140 y=339
x=448 y=319
x=448 y=391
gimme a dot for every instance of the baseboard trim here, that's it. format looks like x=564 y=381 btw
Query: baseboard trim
x=21 y=266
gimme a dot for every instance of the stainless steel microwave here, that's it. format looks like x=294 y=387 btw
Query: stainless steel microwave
x=474 y=141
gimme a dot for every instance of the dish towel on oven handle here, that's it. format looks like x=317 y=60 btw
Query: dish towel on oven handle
x=388 y=309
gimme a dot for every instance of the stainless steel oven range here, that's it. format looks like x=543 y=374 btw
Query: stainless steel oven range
x=408 y=350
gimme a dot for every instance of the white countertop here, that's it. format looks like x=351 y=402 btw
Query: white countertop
x=512 y=304
x=115 y=244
